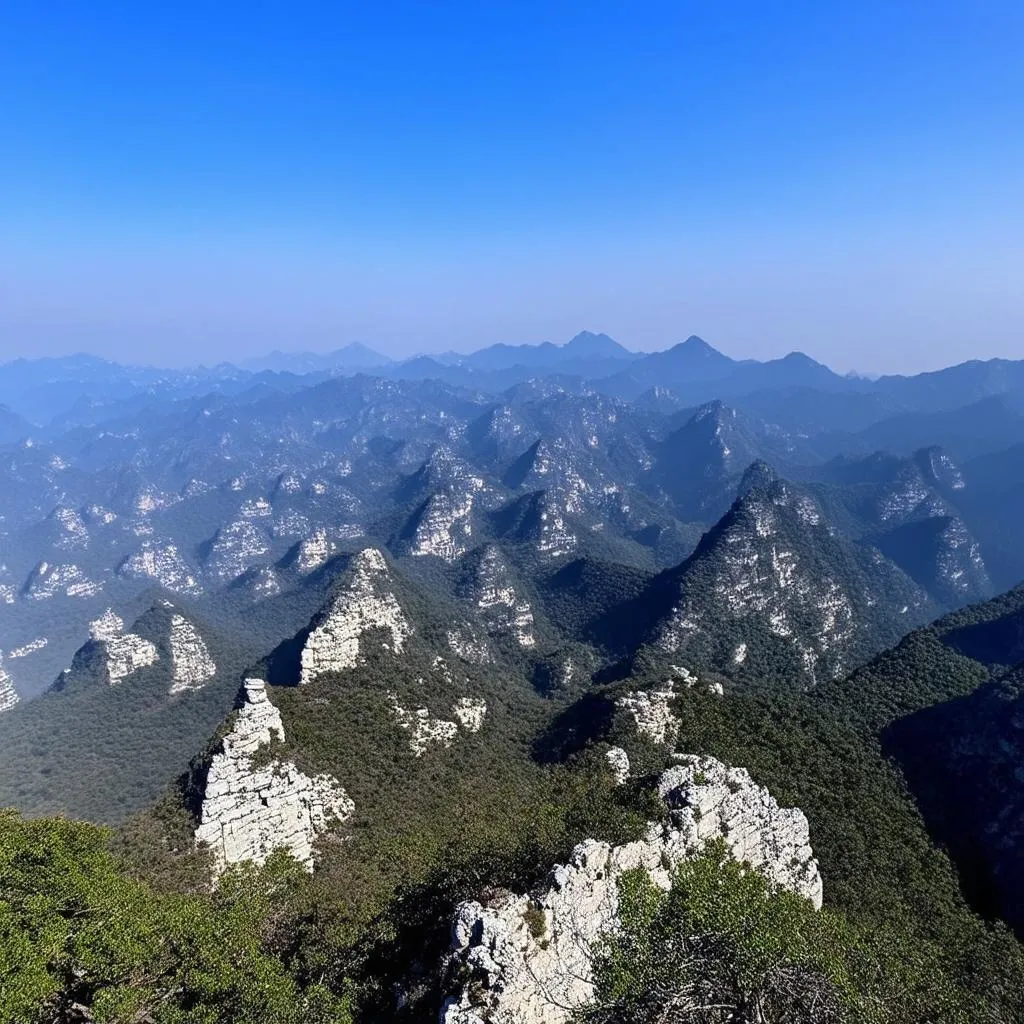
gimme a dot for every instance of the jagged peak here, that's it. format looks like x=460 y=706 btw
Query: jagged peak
x=759 y=474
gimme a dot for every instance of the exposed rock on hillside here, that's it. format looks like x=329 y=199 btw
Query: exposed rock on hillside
x=520 y=973
x=652 y=712
x=162 y=563
x=193 y=666
x=774 y=567
x=492 y=590
x=236 y=547
x=426 y=731
x=314 y=551
x=8 y=694
x=125 y=653
x=443 y=524
x=248 y=811
x=48 y=580
x=363 y=604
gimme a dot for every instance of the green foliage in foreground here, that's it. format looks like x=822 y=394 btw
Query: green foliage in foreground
x=81 y=942
x=721 y=947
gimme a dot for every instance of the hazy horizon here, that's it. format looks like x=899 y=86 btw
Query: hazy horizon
x=189 y=185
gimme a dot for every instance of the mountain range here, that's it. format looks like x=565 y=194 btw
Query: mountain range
x=401 y=638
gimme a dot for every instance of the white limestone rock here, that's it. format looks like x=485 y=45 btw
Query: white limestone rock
x=517 y=977
x=503 y=610
x=618 y=763
x=314 y=551
x=652 y=712
x=444 y=524
x=164 y=564
x=30 y=648
x=468 y=646
x=248 y=812
x=236 y=547
x=470 y=713
x=48 y=580
x=190 y=657
x=72 y=531
x=290 y=523
x=126 y=654
x=8 y=694
x=107 y=626
x=425 y=731
x=365 y=603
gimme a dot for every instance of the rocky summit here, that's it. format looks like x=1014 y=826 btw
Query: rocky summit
x=524 y=969
x=250 y=810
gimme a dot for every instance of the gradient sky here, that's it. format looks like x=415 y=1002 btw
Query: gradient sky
x=194 y=181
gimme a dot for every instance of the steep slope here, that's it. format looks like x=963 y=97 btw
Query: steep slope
x=774 y=593
x=910 y=508
x=123 y=719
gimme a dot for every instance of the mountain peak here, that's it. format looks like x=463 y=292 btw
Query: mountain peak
x=599 y=346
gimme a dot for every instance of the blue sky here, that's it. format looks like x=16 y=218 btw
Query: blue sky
x=194 y=181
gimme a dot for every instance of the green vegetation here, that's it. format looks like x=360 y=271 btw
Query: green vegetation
x=721 y=947
x=80 y=941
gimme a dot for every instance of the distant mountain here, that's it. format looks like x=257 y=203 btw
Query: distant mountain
x=12 y=426
x=582 y=351
x=349 y=359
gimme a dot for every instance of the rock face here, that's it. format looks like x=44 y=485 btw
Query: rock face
x=365 y=603
x=125 y=652
x=248 y=811
x=164 y=564
x=470 y=713
x=426 y=731
x=443 y=525
x=8 y=694
x=193 y=666
x=314 y=551
x=775 y=568
x=517 y=976
x=235 y=548
x=618 y=763
x=48 y=580
x=502 y=609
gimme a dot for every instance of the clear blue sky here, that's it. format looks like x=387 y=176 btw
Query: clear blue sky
x=192 y=181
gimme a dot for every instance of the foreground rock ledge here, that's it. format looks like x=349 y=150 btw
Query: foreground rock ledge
x=519 y=977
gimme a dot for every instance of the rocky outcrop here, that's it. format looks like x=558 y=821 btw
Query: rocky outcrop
x=470 y=713
x=235 y=548
x=501 y=607
x=68 y=580
x=365 y=603
x=30 y=648
x=314 y=551
x=8 y=694
x=71 y=530
x=248 y=811
x=468 y=646
x=162 y=563
x=125 y=652
x=528 y=959
x=618 y=764
x=443 y=525
x=426 y=731
x=190 y=657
